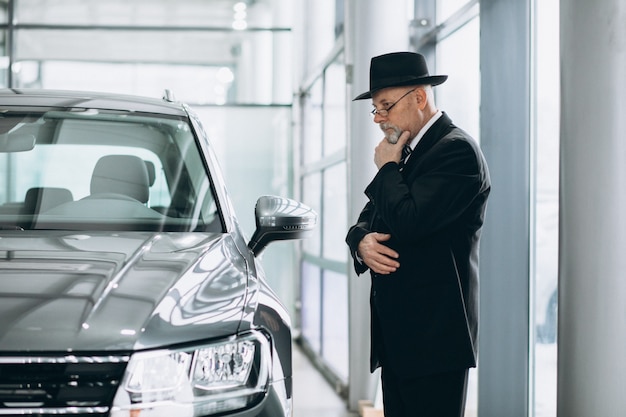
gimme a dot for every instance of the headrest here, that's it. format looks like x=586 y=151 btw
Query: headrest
x=40 y=199
x=151 y=172
x=121 y=174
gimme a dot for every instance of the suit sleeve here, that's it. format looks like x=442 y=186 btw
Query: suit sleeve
x=448 y=180
x=356 y=233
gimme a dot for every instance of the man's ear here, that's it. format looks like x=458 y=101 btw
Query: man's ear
x=421 y=98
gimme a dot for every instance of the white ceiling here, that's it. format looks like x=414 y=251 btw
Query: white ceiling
x=174 y=31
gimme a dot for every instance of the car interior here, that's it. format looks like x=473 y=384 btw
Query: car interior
x=103 y=170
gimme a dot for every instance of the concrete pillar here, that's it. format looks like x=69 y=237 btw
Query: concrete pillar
x=372 y=28
x=503 y=363
x=592 y=265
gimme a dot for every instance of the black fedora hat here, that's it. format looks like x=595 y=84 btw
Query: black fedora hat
x=398 y=69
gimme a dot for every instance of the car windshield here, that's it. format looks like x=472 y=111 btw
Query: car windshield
x=88 y=169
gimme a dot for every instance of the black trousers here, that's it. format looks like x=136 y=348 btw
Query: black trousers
x=437 y=395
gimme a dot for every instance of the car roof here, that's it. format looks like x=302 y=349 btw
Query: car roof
x=20 y=97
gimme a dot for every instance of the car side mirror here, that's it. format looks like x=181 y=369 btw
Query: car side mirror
x=279 y=218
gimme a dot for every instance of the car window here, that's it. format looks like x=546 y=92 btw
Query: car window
x=86 y=169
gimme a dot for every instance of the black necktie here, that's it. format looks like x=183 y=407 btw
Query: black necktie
x=406 y=151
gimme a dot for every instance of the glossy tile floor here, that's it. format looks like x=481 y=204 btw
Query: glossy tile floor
x=312 y=394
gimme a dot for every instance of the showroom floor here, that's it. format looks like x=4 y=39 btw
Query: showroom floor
x=313 y=396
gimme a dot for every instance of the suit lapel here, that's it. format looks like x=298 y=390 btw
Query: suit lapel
x=437 y=131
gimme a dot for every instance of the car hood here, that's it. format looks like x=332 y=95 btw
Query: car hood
x=63 y=291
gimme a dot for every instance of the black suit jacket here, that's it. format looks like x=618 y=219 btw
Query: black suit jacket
x=425 y=315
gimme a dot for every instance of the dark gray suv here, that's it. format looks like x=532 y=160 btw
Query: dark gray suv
x=126 y=285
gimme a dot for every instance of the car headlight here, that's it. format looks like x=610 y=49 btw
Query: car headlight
x=198 y=381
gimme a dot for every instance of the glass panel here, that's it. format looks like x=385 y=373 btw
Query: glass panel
x=246 y=68
x=458 y=56
x=446 y=8
x=253 y=154
x=335 y=216
x=312 y=193
x=154 y=13
x=312 y=126
x=335 y=108
x=311 y=305
x=546 y=154
x=335 y=322
x=319 y=24
x=4 y=11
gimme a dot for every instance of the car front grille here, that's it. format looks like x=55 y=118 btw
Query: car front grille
x=44 y=386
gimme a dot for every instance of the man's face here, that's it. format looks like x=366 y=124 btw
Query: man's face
x=397 y=110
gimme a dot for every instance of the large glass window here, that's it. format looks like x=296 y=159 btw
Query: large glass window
x=335 y=322
x=447 y=8
x=546 y=206
x=311 y=317
x=312 y=196
x=458 y=56
x=320 y=30
x=335 y=138
x=312 y=123
x=335 y=213
x=324 y=187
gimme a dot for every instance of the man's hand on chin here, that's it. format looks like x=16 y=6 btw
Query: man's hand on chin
x=390 y=152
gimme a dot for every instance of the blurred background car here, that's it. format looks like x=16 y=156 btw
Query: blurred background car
x=127 y=287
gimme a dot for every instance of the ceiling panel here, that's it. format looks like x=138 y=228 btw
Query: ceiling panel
x=179 y=13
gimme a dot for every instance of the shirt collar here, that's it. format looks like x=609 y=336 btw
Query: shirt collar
x=424 y=129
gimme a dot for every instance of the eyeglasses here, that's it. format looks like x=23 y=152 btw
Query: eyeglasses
x=385 y=112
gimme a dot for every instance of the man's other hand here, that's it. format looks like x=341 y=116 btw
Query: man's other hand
x=378 y=257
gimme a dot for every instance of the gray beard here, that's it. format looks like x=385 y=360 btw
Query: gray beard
x=394 y=136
